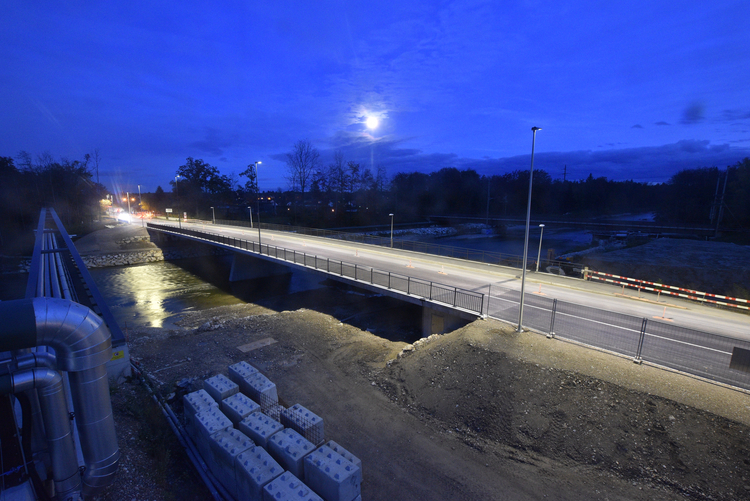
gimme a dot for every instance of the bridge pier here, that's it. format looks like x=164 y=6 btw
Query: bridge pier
x=439 y=320
x=245 y=267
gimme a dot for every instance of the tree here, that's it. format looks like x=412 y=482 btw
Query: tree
x=302 y=162
x=203 y=177
x=251 y=186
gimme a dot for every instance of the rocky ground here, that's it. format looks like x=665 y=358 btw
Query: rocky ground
x=480 y=413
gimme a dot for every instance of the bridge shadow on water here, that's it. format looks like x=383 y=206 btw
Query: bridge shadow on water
x=383 y=316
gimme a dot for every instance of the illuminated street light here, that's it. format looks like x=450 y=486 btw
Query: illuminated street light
x=391 y=230
x=213 y=215
x=539 y=256
x=526 y=237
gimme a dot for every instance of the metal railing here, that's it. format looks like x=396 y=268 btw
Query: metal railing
x=711 y=356
x=556 y=267
x=440 y=293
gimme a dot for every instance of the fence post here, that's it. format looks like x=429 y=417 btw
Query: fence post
x=408 y=285
x=328 y=265
x=551 y=333
x=455 y=293
x=371 y=275
x=355 y=271
x=430 y=291
x=389 y=279
x=638 y=358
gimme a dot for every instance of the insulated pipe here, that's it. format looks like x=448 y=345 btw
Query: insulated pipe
x=49 y=386
x=83 y=346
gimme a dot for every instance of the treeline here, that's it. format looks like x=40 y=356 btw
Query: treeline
x=28 y=185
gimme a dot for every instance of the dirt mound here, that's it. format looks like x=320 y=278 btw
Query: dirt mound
x=482 y=413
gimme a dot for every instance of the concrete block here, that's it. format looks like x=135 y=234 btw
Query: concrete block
x=260 y=388
x=208 y=422
x=238 y=407
x=287 y=487
x=304 y=421
x=332 y=476
x=239 y=371
x=289 y=448
x=259 y=428
x=347 y=455
x=254 y=468
x=192 y=404
x=220 y=387
x=225 y=446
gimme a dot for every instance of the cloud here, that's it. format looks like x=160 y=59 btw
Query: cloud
x=637 y=126
x=693 y=114
x=662 y=123
x=734 y=115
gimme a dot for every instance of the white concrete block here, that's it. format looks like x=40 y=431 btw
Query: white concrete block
x=225 y=446
x=254 y=468
x=289 y=448
x=220 y=387
x=208 y=422
x=238 y=407
x=347 y=455
x=259 y=428
x=192 y=404
x=260 y=388
x=287 y=487
x=304 y=421
x=332 y=476
x=239 y=371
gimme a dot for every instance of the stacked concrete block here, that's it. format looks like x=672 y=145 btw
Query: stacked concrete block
x=288 y=487
x=254 y=468
x=332 y=476
x=259 y=428
x=289 y=448
x=238 y=407
x=239 y=371
x=345 y=453
x=192 y=404
x=225 y=446
x=271 y=409
x=260 y=388
x=220 y=387
x=304 y=421
x=208 y=422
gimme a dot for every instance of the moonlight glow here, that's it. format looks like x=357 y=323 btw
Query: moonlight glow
x=372 y=122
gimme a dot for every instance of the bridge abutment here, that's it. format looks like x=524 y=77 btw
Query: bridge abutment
x=247 y=268
x=437 y=320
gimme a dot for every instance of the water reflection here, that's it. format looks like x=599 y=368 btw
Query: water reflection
x=155 y=294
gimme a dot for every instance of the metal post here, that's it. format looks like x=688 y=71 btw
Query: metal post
x=539 y=256
x=526 y=237
x=251 y=217
x=213 y=216
x=257 y=216
x=551 y=332
x=391 y=230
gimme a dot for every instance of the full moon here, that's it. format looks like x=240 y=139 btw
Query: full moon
x=372 y=123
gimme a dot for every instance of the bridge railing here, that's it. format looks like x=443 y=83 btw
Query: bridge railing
x=719 y=358
x=439 y=293
x=554 y=266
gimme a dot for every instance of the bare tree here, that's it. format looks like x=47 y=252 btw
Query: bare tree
x=302 y=162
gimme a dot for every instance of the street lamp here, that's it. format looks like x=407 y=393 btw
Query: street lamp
x=526 y=237
x=177 y=189
x=539 y=256
x=257 y=185
x=213 y=216
x=391 y=230
x=251 y=217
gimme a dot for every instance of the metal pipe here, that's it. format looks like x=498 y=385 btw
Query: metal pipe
x=83 y=346
x=49 y=386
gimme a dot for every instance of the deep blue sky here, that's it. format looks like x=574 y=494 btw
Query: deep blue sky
x=627 y=90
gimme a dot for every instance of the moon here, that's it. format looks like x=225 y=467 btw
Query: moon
x=372 y=122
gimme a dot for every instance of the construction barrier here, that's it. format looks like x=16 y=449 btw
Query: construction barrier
x=703 y=297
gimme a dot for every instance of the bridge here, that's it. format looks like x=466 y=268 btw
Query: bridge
x=698 y=339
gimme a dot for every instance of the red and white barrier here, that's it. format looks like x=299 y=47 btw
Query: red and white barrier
x=668 y=289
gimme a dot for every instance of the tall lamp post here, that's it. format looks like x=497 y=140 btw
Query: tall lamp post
x=539 y=256
x=213 y=216
x=257 y=200
x=391 y=230
x=177 y=189
x=526 y=237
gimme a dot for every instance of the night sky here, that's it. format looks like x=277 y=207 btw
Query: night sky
x=626 y=90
